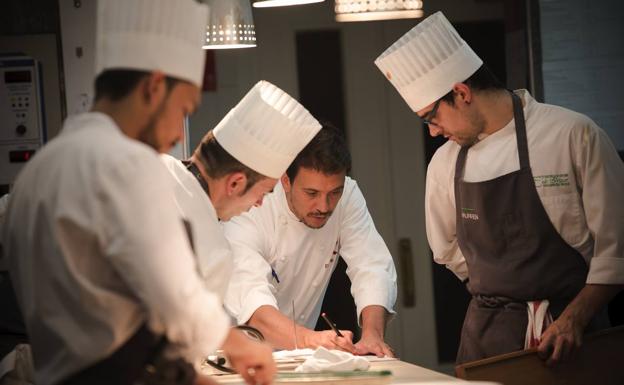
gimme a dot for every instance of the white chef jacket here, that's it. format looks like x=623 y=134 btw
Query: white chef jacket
x=271 y=238
x=96 y=248
x=578 y=175
x=213 y=252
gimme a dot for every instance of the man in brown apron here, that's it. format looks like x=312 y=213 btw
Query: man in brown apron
x=508 y=249
x=499 y=236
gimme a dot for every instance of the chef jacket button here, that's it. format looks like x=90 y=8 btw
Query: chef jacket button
x=315 y=283
x=283 y=220
x=301 y=317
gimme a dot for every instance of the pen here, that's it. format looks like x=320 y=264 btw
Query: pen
x=274 y=274
x=331 y=325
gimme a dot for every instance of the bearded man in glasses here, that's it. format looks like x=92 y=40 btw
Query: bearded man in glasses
x=522 y=202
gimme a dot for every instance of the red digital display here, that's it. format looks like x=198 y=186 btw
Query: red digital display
x=20 y=156
x=17 y=77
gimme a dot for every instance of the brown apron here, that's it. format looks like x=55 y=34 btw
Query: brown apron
x=513 y=253
x=140 y=360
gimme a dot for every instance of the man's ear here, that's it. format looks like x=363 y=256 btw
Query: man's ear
x=463 y=92
x=235 y=184
x=153 y=88
x=286 y=183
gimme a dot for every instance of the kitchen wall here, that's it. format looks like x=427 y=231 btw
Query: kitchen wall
x=583 y=60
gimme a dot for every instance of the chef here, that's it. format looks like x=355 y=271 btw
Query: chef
x=286 y=250
x=522 y=203
x=232 y=169
x=96 y=248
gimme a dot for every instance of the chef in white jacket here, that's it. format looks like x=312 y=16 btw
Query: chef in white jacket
x=522 y=202
x=286 y=250
x=96 y=248
x=233 y=167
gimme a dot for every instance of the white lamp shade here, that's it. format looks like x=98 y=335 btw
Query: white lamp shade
x=368 y=10
x=230 y=25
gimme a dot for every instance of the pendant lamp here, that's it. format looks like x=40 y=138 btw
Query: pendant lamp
x=282 y=3
x=368 y=10
x=230 y=25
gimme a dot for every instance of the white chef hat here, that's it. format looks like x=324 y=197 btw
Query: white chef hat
x=151 y=35
x=424 y=63
x=266 y=130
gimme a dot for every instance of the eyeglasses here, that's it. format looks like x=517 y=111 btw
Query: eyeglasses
x=427 y=120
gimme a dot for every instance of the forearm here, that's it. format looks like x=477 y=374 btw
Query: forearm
x=374 y=319
x=588 y=302
x=278 y=330
x=251 y=359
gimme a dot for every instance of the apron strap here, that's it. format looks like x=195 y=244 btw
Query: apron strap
x=460 y=163
x=193 y=169
x=521 y=136
x=521 y=139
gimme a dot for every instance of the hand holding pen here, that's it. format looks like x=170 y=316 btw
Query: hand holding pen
x=331 y=325
x=342 y=340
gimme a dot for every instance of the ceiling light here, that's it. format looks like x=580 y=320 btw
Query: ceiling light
x=368 y=10
x=282 y=3
x=230 y=25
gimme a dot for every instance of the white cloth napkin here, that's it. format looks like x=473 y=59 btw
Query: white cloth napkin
x=296 y=353
x=16 y=368
x=332 y=360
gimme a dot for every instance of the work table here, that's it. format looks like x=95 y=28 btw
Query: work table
x=402 y=373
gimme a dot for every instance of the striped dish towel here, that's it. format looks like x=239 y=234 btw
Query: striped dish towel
x=539 y=319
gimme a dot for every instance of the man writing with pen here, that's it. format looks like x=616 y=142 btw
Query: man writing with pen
x=286 y=250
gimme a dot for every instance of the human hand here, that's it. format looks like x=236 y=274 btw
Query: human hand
x=328 y=339
x=251 y=359
x=560 y=340
x=373 y=345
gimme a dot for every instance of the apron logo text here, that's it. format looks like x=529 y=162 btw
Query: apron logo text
x=469 y=214
x=555 y=180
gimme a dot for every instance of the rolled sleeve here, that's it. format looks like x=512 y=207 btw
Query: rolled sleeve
x=601 y=177
x=249 y=288
x=250 y=285
x=606 y=271
x=441 y=222
x=369 y=263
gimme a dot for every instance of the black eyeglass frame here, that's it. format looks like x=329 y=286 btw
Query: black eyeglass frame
x=427 y=120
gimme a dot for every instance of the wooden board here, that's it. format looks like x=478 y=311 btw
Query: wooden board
x=599 y=361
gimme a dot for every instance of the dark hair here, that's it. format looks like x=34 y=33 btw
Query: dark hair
x=482 y=80
x=219 y=162
x=117 y=84
x=327 y=152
